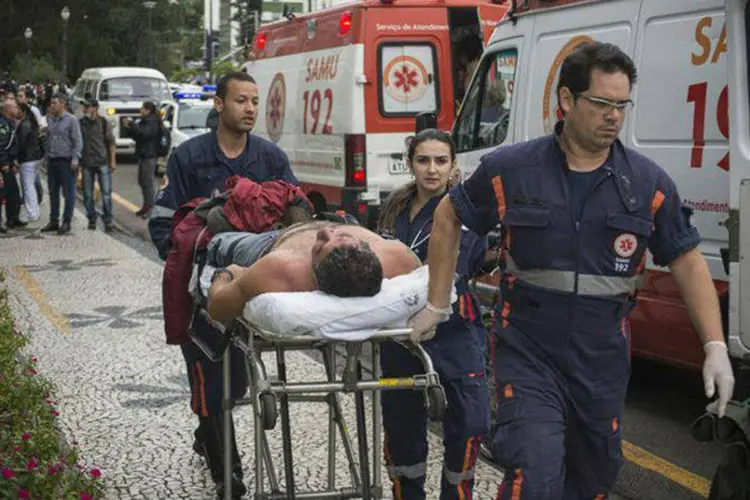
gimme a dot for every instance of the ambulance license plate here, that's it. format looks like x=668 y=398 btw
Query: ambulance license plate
x=396 y=167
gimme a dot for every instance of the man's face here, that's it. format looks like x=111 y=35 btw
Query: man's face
x=56 y=107
x=329 y=238
x=90 y=111
x=22 y=97
x=144 y=112
x=10 y=108
x=239 y=109
x=595 y=125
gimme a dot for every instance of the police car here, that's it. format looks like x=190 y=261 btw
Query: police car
x=186 y=116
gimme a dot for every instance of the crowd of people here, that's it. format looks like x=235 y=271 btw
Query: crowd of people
x=37 y=129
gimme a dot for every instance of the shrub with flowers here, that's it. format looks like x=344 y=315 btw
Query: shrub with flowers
x=35 y=462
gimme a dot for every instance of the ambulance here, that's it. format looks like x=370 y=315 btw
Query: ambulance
x=340 y=88
x=680 y=120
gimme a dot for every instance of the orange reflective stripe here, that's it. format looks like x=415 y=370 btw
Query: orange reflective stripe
x=202 y=393
x=517 y=483
x=656 y=202
x=508 y=391
x=600 y=496
x=467 y=454
x=397 y=493
x=461 y=306
x=615 y=424
x=497 y=186
x=508 y=239
x=505 y=313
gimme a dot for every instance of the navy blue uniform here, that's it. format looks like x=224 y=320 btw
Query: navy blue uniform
x=573 y=267
x=198 y=168
x=458 y=353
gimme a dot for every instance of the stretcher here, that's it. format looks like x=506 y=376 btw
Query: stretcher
x=268 y=396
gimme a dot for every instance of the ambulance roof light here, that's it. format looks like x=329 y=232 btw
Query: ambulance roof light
x=345 y=23
x=260 y=41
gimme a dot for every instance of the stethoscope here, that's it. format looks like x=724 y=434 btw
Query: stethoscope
x=417 y=242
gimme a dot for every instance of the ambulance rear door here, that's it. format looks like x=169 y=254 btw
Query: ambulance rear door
x=738 y=23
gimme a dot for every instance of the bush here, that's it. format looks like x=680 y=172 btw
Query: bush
x=35 y=462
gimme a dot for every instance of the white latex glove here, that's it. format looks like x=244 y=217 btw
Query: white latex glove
x=423 y=325
x=717 y=372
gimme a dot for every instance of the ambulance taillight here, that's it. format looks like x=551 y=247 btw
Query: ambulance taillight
x=355 y=156
x=260 y=41
x=345 y=23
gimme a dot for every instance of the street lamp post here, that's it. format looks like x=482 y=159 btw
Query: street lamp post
x=65 y=14
x=150 y=6
x=27 y=34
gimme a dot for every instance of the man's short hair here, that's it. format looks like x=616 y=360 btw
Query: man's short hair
x=349 y=271
x=240 y=76
x=60 y=97
x=575 y=71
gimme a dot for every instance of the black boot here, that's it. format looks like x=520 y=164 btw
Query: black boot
x=213 y=441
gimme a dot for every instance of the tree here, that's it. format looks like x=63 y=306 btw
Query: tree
x=220 y=69
x=244 y=16
x=102 y=33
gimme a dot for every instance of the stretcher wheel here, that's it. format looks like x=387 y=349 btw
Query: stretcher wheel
x=268 y=411
x=436 y=403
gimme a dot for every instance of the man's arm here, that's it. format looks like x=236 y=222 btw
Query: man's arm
x=171 y=195
x=75 y=131
x=227 y=296
x=696 y=287
x=111 y=146
x=445 y=241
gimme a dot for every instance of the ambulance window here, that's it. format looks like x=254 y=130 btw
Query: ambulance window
x=407 y=79
x=485 y=114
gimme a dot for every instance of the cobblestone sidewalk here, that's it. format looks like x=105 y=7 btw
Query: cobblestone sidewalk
x=92 y=307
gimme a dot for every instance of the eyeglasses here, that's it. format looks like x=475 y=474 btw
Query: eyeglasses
x=605 y=105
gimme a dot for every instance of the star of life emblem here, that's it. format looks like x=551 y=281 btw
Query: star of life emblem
x=625 y=245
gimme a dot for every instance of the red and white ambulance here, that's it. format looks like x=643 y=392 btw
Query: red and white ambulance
x=340 y=88
x=680 y=120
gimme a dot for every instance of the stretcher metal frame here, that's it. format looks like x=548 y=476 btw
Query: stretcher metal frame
x=264 y=392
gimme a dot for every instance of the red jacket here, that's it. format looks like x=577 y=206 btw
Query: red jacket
x=251 y=207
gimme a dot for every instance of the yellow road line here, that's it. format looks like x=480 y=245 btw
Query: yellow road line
x=683 y=477
x=37 y=293
x=125 y=203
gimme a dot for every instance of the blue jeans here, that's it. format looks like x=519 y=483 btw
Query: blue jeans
x=105 y=186
x=60 y=177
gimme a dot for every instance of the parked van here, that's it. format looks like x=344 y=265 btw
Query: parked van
x=340 y=88
x=121 y=91
x=680 y=120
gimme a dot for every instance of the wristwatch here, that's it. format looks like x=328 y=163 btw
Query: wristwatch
x=222 y=270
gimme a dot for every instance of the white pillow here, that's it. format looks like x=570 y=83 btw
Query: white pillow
x=337 y=318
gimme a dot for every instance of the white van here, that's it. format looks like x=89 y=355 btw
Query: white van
x=680 y=120
x=121 y=91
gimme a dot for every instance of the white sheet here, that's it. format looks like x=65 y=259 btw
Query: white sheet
x=336 y=318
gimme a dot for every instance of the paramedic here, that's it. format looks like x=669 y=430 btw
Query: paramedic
x=339 y=259
x=457 y=349
x=579 y=210
x=198 y=168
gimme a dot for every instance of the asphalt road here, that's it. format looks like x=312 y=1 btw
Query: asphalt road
x=663 y=461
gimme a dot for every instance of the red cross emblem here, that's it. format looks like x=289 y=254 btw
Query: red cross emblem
x=405 y=78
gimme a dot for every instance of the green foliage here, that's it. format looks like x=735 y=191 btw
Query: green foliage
x=34 y=461
x=220 y=69
x=41 y=69
x=183 y=74
x=103 y=33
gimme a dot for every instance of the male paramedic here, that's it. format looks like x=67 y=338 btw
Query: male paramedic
x=579 y=211
x=199 y=168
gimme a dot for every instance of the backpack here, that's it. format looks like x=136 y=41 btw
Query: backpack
x=165 y=140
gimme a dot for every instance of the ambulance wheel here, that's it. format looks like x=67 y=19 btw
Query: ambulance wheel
x=268 y=411
x=436 y=403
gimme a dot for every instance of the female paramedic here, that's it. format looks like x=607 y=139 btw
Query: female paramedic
x=457 y=348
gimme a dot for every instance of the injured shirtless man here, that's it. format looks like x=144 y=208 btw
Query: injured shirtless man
x=339 y=259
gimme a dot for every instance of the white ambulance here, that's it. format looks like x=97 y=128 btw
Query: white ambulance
x=680 y=120
x=340 y=88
